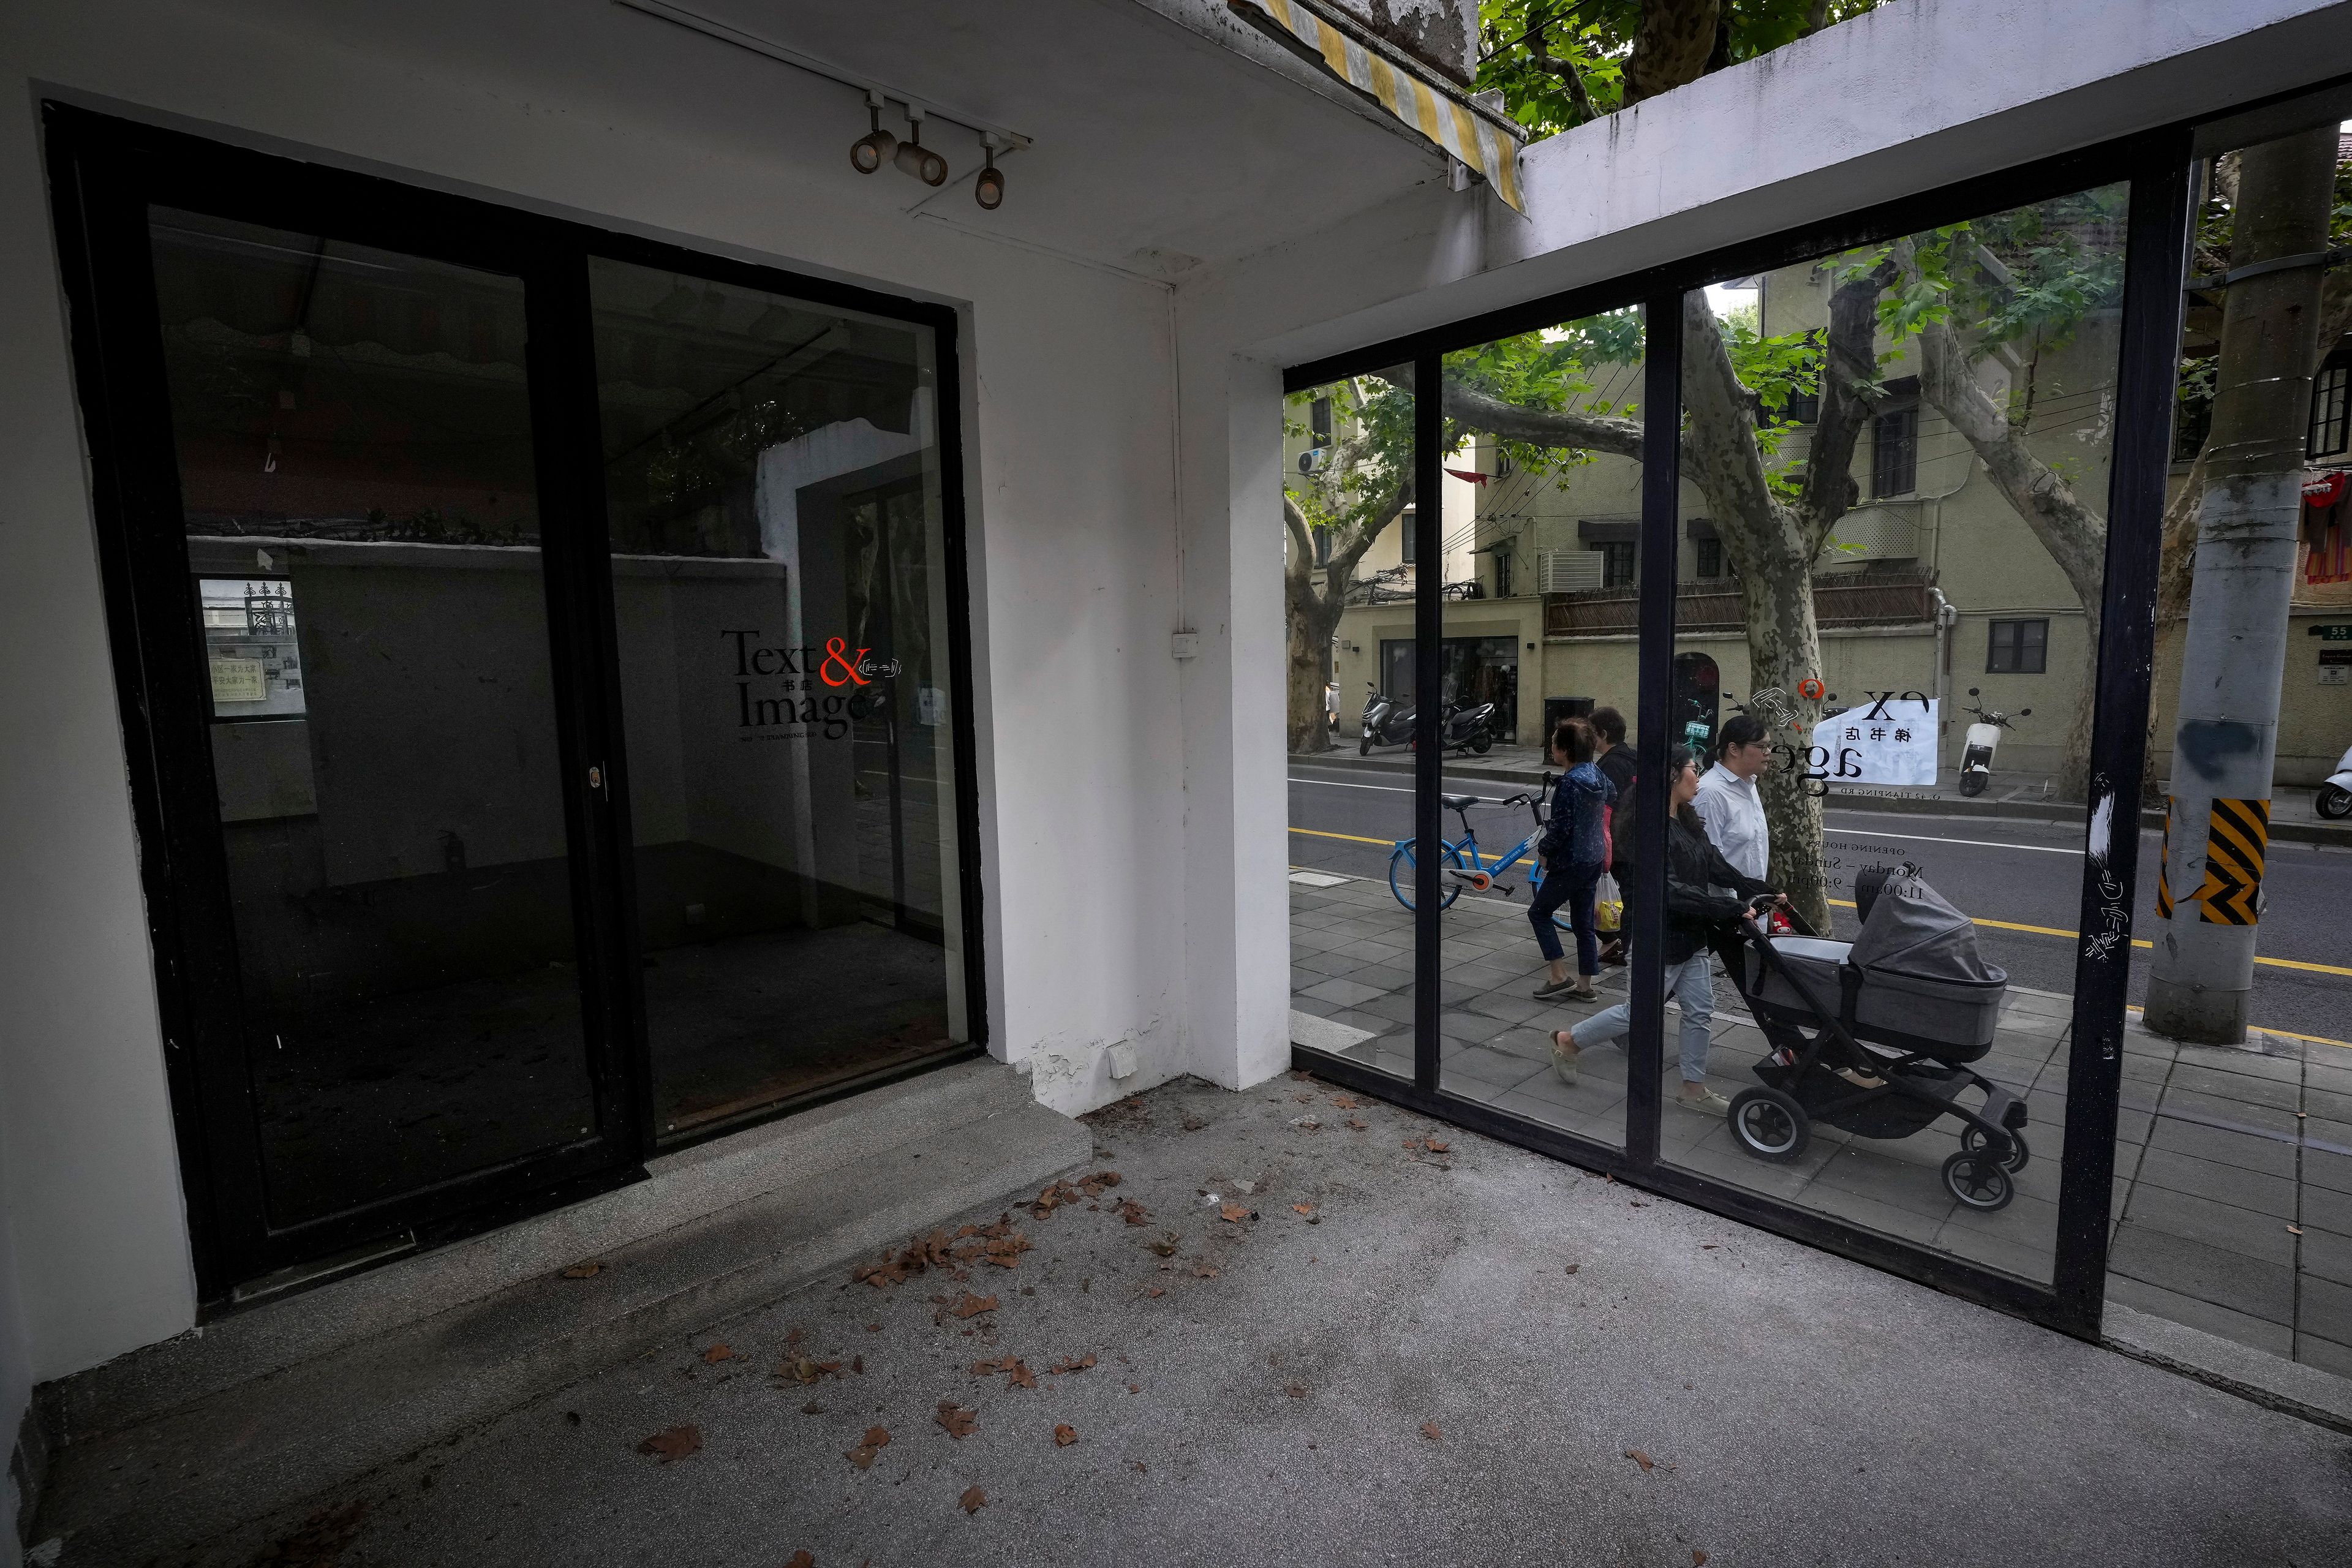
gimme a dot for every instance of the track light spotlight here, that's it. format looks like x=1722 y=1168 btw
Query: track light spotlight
x=988 y=190
x=914 y=158
x=873 y=150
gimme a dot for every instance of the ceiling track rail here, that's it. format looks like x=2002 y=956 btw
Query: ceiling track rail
x=918 y=105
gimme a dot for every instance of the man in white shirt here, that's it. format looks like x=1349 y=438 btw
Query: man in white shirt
x=1728 y=802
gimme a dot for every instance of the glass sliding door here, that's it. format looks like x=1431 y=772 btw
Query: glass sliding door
x=362 y=527
x=1349 y=573
x=772 y=482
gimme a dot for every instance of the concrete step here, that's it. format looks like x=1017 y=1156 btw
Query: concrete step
x=167 y=1448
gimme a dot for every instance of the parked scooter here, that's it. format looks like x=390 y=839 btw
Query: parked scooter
x=1385 y=722
x=2335 y=796
x=1983 y=740
x=1470 y=729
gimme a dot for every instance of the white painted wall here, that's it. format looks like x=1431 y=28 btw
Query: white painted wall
x=1068 y=398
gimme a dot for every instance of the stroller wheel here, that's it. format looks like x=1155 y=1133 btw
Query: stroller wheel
x=1770 y=1125
x=1978 y=1181
x=1973 y=1140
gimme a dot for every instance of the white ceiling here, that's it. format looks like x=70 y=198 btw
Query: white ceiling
x=1165 y=132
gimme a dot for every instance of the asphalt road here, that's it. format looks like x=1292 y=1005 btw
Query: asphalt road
x=2015 y=871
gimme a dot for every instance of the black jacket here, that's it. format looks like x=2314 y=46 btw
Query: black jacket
x=1702 y=890
x=1616 y=764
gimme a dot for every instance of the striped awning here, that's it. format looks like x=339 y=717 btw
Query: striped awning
x=1438 y=114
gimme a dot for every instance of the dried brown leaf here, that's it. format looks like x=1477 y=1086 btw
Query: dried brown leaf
x=1435 y=1145
x=972 y=1500
x=1156 y=1291
x=1303 y=1208
x=1698 y=1558
x=862 y=1456
x=1358 y=1124
x=1022 y=1377
x=1134 y=1213
x=876 y=1438
x=715 y=1354
x=588 y=1271
x=960 y=1422
x=1640 y=1459
x=1430 y=1430
x=1064 y=1435
x=1343 y=1102
x=1574 y=1266
x=1296 y=1390
x=972 y=1306
x=673 y=1442
x=1233 y=1214
x=801 y=1560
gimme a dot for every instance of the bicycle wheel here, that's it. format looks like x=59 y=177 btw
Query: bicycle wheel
x=1401 y=869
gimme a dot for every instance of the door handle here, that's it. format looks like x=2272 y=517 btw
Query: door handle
x=596 y=779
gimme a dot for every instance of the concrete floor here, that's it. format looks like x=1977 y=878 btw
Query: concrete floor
x=1260 y=1395
x=2232 y=1170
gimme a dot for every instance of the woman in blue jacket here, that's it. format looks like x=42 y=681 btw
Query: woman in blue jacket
x=1575 y=850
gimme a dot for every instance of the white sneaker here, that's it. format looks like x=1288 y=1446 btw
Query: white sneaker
x=1705 y=1101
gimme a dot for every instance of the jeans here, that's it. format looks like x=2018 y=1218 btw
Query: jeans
x=1692 y=984
x=1571 y=886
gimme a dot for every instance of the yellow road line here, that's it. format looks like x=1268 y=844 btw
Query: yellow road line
x=2282 y=1034
x=2141 y=942
x=1350 y=837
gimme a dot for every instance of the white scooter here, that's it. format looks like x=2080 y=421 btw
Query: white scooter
x=1984 y=738
x=2335 y=796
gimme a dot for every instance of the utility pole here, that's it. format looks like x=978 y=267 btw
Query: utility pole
x=2248 y=535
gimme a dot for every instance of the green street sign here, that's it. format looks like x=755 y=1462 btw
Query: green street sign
x=2332 y=634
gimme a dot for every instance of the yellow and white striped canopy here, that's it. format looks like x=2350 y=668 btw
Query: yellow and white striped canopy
x=1444 y=119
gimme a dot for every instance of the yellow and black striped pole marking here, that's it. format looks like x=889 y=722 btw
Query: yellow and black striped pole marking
x=2164 y=865
x=2234 y=841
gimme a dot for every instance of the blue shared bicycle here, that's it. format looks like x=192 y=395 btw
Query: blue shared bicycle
x=1466 y=865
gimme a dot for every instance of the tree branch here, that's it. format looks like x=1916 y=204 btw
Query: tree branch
x=1564 y=70
x=1849 y=388
x=2075 y=535
x=1719 y=453
x=1610 y=433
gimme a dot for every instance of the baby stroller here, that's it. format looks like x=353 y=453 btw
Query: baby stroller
x=1870 y=1035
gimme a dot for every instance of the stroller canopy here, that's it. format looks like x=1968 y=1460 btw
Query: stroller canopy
x=1907 y=928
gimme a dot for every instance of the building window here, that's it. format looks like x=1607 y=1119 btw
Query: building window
x=1322 y=547
x=2018 y=648
x=1801 y=408
x=1710 y=562
x=1895 y=452
x=1617 y=563
x=1502 y=573
x=1410 y=522
x=1319 y=421
x=2331 y=411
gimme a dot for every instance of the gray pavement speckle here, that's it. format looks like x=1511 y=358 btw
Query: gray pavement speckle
x=1259 y=1395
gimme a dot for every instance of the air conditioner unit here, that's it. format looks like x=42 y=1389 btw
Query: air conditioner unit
x=1314 y=457
x=1568 y=571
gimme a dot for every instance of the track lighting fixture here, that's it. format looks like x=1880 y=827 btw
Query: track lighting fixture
x=874 y=149
x=988 y=190
x=914 y=158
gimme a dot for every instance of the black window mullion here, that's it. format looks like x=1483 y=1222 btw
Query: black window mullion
x=1661 y=391
x=2156 y=259
x=1429 y=759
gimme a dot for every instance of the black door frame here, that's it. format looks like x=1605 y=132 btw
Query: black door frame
x=104 y=173
x=2158 y=167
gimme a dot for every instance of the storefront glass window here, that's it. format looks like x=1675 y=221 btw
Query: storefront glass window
x=772 y=482
x=1544 y=467
x=1903 y=450
x=355 y=456
x=1347 y=470
x=2234 y=1135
